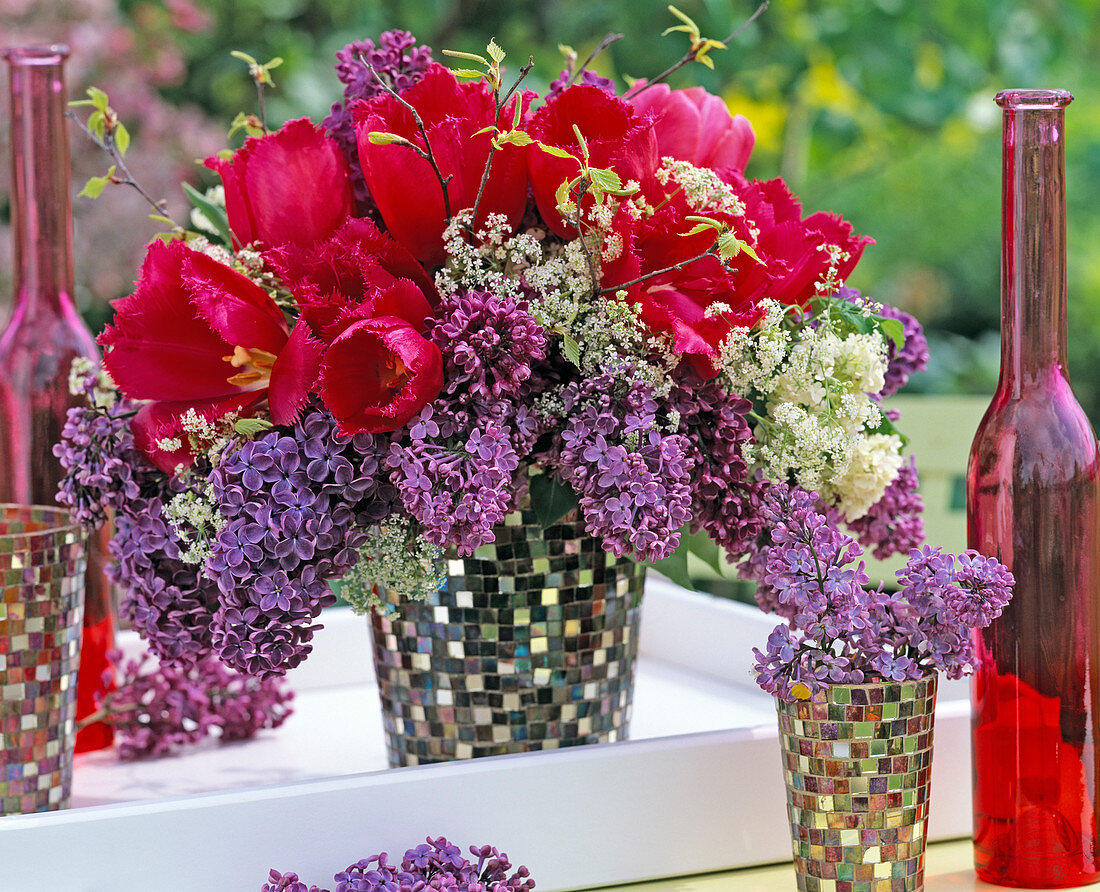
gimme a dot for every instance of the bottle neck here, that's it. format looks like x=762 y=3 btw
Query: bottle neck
x=41 y=207
x=1033 y=232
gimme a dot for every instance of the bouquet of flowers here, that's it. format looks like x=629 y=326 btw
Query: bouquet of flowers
x=454 y=298
x=838 y=631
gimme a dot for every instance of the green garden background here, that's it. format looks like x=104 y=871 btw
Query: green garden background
x=880 y=110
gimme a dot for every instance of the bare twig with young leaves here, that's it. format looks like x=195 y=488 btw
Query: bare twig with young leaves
x=698 y=50
x=570 y=54
x=105 y=129
x=261 y=77
x=382 y=138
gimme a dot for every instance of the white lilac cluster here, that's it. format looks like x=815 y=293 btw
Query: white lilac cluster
x=820 y=426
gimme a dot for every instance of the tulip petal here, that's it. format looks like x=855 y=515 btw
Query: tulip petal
x=157 y=422
x=288 y=186
x=158 y=347
x=293 y=375
x=234 y=306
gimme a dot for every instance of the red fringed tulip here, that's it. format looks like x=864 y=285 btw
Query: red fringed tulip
x=695 y=126
x=288 y=186
x=378 y=373
x=346 y=269
x=618 y=138
x=404 y=186
x=197 y=335
x=795 y=251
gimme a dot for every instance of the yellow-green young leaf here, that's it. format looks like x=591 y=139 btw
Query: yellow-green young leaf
x=167 y=237
x=380 y=138
x=77 y=103
x=94 y=187
x=557 y=152
x=97 y=123
x=683 y=28
x=490 y=129
x=226 y=154
x=581 y=142
x=467 y=72
x=472 y=57
x=160 y=218
x=98 y=98
x=516 y=115
x=710 y=221
x=567 y=51
x=706 y=60
x=274 y=63
x=122 y=138
x=249 y=427
x=605 y=180
x=571 y=349
x=751 y=251
x=244 y=57
x=495 y=52
x=699 y=227
x=561 y=194
x=514 y=138
x=729 y=245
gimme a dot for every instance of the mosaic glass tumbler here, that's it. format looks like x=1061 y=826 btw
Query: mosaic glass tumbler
x=42 y=564
x=857 y=761
x=530 y=645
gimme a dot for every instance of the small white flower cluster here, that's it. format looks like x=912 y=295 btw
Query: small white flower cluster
x=395 y=560
x=703 y=189
x=104 y=393
x=194 y=517
x=820 y=427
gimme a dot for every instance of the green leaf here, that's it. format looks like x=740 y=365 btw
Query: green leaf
x=514 y=138
x=94 y=187
x=98 y=98
x=704 y=548
x=213 y=213
x=467 y=72
x=582 y=142
x=551 y=499
x=699 y=227
x=160 y=218
x=605 y=180
x=729 y=245
x=97 y=123
x=495 y=52
x=244 y=57
x=472 y=57
x=751 y=251
x=675 y=567
x=249 y=427
x=852 y=316
x=893 y=329
x=381 y=138
x=557 y=152
x=571 y=349
x=122 y=138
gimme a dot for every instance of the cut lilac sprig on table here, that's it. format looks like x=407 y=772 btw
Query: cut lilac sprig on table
x=434 y=864
x=158 y=709
x=841 y=632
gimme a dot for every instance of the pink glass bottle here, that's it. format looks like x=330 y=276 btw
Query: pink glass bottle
x=1033 y=485
x=45 y=331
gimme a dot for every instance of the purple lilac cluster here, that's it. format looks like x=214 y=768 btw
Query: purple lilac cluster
x=585 y=79
x=296 y=503
x=398 y=61
x=631 y=474
x=838 y=631
x=435 y=864
x=457 y=472
x=894 y=524
x=726 y=502
x=157 y=710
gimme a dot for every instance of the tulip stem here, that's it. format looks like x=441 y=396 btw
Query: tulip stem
x=709 y=252
x=122 y=175
x=500 y=103
x=691 y=54
x=426 y=153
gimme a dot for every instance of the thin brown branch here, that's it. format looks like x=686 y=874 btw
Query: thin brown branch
x=709 y=252
x=752 y=18
x=428 y=154
x=603 y=45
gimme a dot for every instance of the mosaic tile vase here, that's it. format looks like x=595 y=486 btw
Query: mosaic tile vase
x=42 y=567
x=531 y=645
x=857 y=761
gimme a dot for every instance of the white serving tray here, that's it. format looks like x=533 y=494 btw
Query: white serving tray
x=698 y=787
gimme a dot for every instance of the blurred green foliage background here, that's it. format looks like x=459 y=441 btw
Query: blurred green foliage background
x=880 y=110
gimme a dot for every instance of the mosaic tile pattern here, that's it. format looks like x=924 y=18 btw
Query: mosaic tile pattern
x=857 y=761
x=41 y=606
x=531 y=645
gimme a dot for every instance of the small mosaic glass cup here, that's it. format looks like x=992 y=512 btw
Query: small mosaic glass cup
x=42 y=562
x=857 y=761
x=531 y=645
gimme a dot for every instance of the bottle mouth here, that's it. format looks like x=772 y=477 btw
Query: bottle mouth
x=1037 y=99
x=40 y=54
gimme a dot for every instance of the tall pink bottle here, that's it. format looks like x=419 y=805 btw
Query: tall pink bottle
x=45 y=331
x=1033 y=496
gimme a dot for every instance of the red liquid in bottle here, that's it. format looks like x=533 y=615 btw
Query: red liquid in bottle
x=1033 y=491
